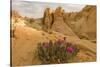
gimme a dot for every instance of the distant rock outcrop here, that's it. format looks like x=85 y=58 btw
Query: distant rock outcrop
x=55 y=21
x=16 y=20
x=47 y=19
x=82 y=23
x=15 y=14
x=15 y=17
x=59 y=25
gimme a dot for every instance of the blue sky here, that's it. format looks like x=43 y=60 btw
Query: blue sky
x=36 y=9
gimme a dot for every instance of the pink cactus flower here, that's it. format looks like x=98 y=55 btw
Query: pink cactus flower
x=69 y=49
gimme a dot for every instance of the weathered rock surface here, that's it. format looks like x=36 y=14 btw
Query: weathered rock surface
x=26 y=40
x=55 y=21
x=83 y=23
x=47 y=19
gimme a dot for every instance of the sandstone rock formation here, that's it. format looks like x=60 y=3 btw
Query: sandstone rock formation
x=55 y=21
x=83 y=23
x=47 y=19
x=59 y=25
x=15 y=14
x=16 y=20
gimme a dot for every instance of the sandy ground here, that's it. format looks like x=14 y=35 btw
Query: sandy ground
x=25 y=42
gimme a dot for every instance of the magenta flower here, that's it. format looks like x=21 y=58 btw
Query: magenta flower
x=46 y=45
x=69 y=49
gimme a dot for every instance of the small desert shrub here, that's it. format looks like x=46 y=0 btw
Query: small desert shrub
x=59 y=51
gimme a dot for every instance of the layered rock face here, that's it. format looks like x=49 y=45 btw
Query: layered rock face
x=81 y=24
x=55 y=21
x=16 y=20
x=47 y=19
x=59 y=25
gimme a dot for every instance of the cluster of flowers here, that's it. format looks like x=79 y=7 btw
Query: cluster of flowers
x=59 y=51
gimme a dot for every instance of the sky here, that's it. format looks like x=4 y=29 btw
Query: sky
x=36 y=9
